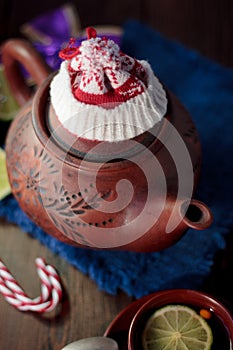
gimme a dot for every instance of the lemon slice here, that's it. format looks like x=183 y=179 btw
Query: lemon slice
x=5 y=188
x=176 y=327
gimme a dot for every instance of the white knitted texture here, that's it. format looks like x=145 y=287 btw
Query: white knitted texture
x=122 y=122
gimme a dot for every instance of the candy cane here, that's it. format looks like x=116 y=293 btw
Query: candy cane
x=51 y=290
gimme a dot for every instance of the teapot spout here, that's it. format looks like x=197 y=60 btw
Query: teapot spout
x=196 y=214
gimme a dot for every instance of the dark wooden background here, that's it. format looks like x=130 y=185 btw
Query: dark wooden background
x=205 y=25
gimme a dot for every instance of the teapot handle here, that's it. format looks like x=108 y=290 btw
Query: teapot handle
x=20 y=51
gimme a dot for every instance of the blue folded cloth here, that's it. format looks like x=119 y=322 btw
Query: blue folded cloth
x=206 y=89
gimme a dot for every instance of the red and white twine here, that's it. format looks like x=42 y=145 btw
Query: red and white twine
x=51 y=290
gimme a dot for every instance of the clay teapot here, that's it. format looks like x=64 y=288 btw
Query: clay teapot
x=134 y=195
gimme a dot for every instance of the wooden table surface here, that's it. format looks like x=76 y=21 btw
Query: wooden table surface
x=86 y=310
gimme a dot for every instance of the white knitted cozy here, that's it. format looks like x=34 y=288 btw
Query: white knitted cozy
x=102 y=94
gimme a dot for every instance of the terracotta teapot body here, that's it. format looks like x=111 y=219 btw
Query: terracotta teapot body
x=132 y=195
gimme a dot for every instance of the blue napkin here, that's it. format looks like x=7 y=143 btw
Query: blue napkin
x=206 y=89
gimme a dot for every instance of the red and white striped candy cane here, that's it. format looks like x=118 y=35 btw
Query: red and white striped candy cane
x=51 y=290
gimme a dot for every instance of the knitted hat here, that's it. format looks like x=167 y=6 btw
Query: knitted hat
x=101 y=93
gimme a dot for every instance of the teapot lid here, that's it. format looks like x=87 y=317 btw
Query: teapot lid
x=102 y=94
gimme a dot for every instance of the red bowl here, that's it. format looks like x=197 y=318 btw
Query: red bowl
x=222 y=320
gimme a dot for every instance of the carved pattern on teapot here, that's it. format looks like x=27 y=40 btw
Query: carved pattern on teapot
x=64 y=208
